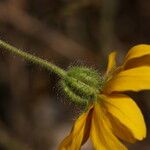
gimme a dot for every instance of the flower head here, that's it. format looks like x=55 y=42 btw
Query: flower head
x=112 y=115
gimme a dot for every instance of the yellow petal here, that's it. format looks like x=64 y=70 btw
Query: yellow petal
x=137 y=62
x=79 y=133
x=126 y=115
x=120 y=130
x=135 y=79
x=101 y=134
x=111 y=62
x=137 y=51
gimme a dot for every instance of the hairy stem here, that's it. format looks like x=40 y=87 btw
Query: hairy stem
x=33 y=59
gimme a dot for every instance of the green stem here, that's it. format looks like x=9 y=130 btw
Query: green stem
x=33 y=59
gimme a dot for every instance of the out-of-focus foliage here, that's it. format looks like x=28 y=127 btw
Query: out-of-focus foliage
x=34 y=113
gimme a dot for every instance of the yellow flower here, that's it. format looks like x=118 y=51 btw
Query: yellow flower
x=114 y=114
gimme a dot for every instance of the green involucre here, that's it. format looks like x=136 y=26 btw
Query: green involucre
x=82 y=84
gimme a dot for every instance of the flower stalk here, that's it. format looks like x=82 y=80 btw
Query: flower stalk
x=34 y=59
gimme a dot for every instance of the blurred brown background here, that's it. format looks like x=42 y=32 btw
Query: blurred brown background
x=34 y=113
